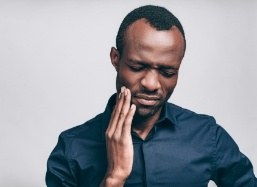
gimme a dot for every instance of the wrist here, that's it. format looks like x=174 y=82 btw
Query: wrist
x=109 y=181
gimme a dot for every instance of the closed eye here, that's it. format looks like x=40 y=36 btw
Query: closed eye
x=168 y=73
x=136 y=68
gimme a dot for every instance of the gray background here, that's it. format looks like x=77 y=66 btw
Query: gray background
x=55 y=72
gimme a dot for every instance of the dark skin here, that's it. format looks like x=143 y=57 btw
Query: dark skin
x=147 y=73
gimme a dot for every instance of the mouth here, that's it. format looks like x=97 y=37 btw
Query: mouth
x=147 y=100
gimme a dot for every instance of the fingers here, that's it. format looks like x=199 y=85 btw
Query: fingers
x=115 y=114
x=128 y=121
x=122 y=115
x=118 y=137
x=123 y=112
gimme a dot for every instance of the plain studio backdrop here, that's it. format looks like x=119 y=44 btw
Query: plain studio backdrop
x=55 y=72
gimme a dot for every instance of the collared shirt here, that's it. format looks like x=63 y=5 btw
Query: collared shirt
x=184 y=149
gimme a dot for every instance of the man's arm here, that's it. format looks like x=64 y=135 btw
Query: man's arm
x=233 y=168
x=119 y=142
x=59 y=167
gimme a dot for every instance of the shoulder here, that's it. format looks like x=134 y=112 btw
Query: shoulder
x=182 y=115
x=202 y=126
x=90 y=129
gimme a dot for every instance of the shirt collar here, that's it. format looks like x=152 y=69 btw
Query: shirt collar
x=167 y=115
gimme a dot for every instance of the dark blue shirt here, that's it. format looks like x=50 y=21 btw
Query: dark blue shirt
x=184 y=149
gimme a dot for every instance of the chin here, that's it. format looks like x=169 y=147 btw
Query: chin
x=146 y=112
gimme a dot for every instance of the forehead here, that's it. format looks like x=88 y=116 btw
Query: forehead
x=141 y=40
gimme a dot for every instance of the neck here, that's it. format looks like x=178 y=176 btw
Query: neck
x=142 y=126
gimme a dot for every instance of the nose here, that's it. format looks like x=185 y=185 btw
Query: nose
x=150 y=81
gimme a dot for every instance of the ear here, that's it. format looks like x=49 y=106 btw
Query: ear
x=115 y=57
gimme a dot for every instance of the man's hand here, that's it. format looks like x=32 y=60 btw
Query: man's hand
x=119 y=141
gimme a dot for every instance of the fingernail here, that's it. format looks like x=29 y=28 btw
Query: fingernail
x=126 y=92
x=133 y=106
x=122 y=89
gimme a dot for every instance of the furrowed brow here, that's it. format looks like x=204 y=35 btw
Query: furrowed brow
x=167 y=67
x=137 y=62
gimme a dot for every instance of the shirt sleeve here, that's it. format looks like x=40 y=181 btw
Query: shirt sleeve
x=232 y=168
x=60 y=168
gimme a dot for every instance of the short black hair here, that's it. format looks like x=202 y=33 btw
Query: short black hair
x=158 y=17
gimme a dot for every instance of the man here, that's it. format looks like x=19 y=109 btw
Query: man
x=141 y=139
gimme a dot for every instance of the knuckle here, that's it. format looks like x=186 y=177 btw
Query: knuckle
x=128 y=120
x=123 y=142
x=108 y=135
x=126 y=123
x=116 y=138
x=122 y=115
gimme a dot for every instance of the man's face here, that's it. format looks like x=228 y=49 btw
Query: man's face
x=149 y=65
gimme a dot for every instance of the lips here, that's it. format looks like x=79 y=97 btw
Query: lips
x=147 y=100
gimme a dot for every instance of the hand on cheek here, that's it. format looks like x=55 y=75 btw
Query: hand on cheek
x=119 y=141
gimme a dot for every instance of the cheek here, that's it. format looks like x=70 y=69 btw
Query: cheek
x=128 y=79
x=168 y=86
